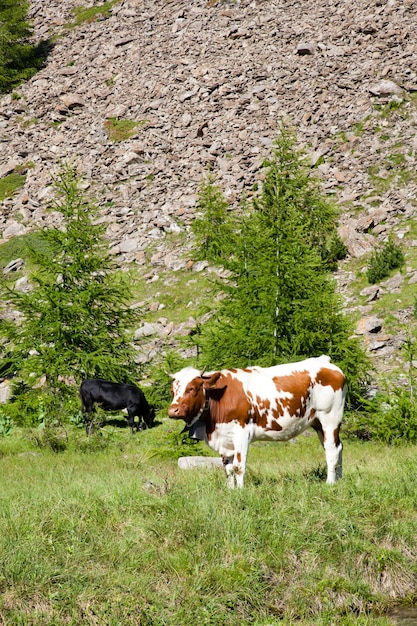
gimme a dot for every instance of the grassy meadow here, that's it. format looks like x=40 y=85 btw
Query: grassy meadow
x=111 y=532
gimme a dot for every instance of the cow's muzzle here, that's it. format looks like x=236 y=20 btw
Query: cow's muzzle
x=175 y=412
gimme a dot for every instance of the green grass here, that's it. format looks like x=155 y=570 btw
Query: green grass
x=10 y=184
x=112 y=532
x=388 y=302
x=89 y=14
x=120 y=130
x=182 y=295
x=18 y=247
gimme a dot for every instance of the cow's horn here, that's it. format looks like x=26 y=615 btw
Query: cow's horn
x=202 y=372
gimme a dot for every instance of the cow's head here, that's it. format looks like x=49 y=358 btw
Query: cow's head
x=189 y=390
x=149 y=417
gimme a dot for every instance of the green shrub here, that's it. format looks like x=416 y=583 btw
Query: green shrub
x=53 y=437
x=158 y=392
x=396 y=421
x=390 y=418
x=383 y=260
x=5 y=424
x=213 y=228
x=26 y=408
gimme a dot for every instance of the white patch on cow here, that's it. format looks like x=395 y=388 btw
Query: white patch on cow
x=222 y=440
x=181 y=381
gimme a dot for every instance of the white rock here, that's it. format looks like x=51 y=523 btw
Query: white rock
x=197 y=462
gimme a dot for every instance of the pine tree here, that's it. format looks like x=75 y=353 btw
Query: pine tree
x=281 y=302
x=213 y=228
x=75 y=319
x=19 y=58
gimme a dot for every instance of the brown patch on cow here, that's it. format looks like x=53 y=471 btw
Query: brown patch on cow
x=210 y=381
x=336 y=436
x=275 y=426
x=228 y=402
x=238 y=457
x=260 y=409
x=298 y=385
x=333 y=378
x=264 y=403
x=316 y=424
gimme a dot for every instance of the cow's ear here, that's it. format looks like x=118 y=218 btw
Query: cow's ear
x=215 y=393
x=212 y=380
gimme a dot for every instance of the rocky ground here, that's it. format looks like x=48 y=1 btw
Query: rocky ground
x=209 y=83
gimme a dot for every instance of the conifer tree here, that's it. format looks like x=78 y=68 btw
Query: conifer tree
x=213 y=228
x=76 y=317
x=281 y=302
x=19 y=57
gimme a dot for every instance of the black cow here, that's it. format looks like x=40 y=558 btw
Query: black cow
x=114 y=397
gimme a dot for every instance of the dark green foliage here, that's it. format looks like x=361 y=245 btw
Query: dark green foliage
x=19 y=58
x=391 y=418
x=158 y=393
x=213 y=231
x=397 y=421
x=388 y=257
x=290 y=186
x=280 y=303
x=5 y=423
x=75 y=318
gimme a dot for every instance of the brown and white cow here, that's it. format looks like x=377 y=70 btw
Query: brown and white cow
x=232 y=407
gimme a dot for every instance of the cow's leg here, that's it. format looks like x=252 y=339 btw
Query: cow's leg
x=141 y=424
x=333 y=448
x=329 y=438
x=131 y=421
x=88 y=415
x=131 y=413
x=235 y=470
x=228 y=468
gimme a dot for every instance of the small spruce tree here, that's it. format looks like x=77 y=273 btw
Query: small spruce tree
x=383 y=260
x=213 y=228
x=76 y=317
x=281 y=302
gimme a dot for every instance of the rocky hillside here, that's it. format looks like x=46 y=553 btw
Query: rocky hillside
x=204 y=85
